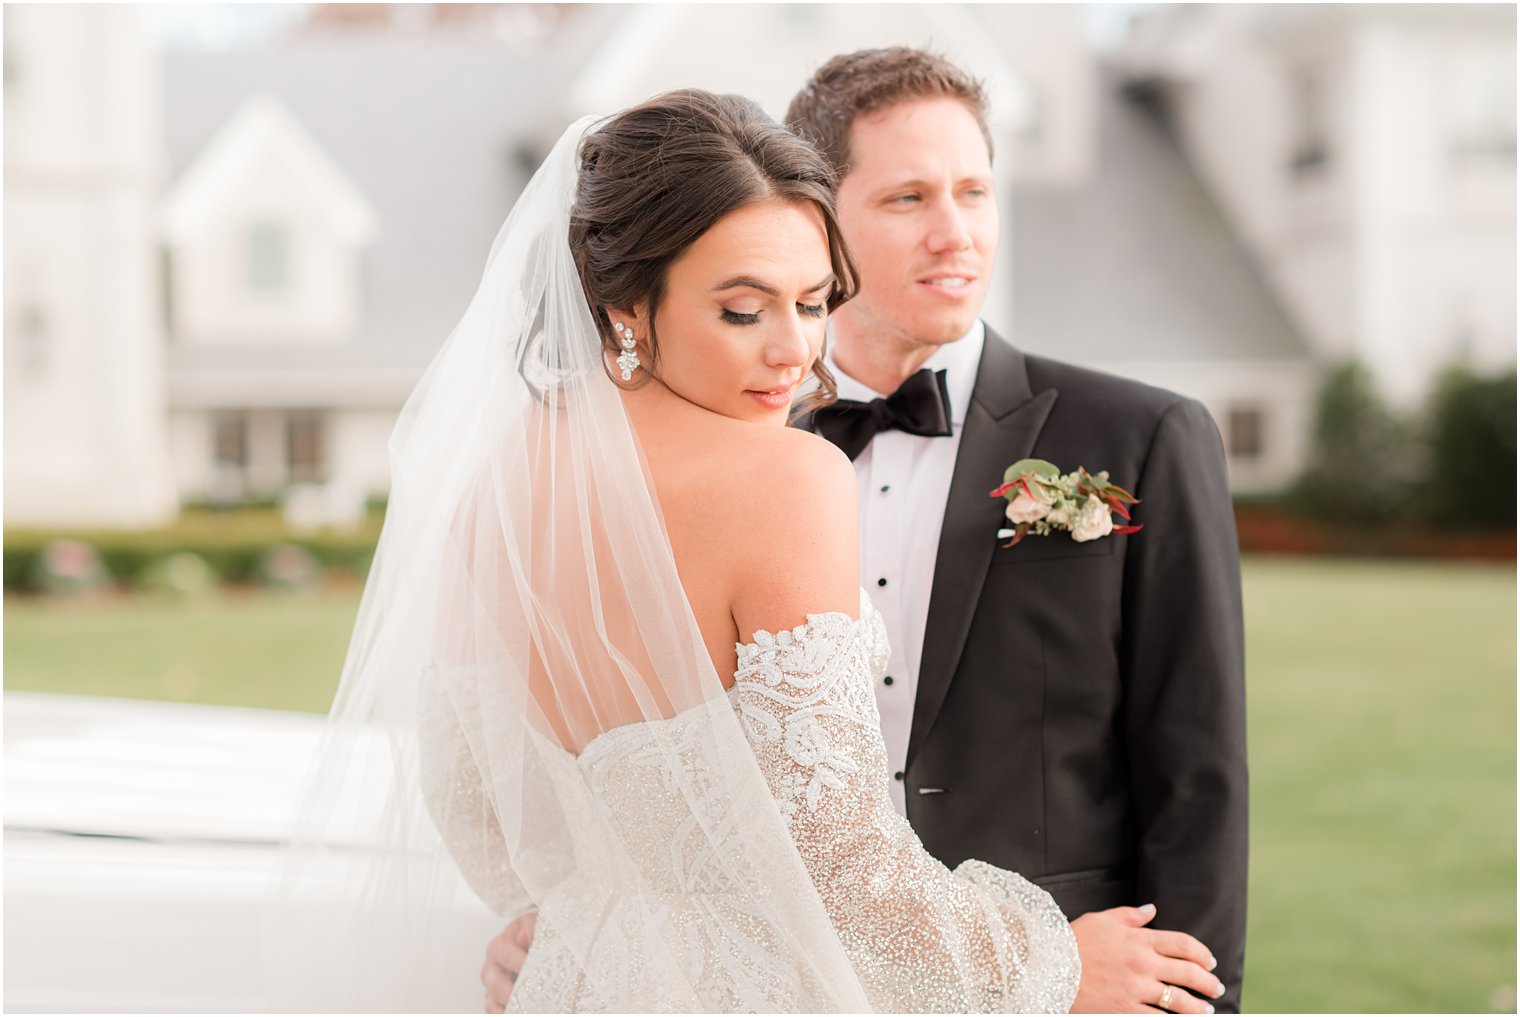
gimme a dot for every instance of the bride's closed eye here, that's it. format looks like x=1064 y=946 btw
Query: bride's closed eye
x=741 y=318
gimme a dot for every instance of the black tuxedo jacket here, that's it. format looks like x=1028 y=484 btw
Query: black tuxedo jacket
x=1080 y=715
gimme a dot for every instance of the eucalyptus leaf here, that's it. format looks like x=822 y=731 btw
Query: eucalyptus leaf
x=1024 y=466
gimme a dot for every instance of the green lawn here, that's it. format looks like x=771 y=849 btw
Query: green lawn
x=281 y=652
x=1382 y=746
x=1382 y=727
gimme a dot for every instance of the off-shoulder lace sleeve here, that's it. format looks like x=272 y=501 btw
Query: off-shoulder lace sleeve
x=922 y=938
x=456 y=800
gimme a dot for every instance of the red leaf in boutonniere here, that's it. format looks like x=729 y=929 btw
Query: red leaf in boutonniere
x=1042 y=500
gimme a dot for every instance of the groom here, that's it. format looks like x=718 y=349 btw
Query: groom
x=1070 y=711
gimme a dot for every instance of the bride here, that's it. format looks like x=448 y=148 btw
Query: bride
x=614 y=632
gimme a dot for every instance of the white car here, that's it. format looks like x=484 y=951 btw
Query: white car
x=141 y=844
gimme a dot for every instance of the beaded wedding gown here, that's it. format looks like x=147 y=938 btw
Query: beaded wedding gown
x=529 y=716
x=919 y=937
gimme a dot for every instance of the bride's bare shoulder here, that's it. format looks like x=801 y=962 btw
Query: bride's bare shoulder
x=800 y=547
x=788 y=467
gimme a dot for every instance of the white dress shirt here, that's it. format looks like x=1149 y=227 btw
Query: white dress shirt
x=904 y=484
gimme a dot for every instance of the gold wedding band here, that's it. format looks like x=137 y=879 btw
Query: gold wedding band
x=1165 y=1002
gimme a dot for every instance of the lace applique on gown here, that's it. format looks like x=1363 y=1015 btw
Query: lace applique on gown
x=919 y=936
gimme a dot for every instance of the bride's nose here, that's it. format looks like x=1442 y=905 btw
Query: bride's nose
x=788 y=345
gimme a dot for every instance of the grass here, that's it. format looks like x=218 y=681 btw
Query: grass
x=1382 y=744
x=280 y=652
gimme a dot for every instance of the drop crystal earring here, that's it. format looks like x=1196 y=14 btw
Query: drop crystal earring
x=628 y=360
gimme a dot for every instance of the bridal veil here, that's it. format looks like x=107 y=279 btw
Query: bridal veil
x=524 y=602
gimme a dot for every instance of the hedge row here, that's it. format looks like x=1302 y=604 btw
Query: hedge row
x=127 y=556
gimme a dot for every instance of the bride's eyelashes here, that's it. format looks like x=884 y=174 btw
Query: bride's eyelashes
x=740 y=318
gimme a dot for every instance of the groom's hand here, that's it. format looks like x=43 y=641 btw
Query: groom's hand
x=505 y=956
x=1126 y=968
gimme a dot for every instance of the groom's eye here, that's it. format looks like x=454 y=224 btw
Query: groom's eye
x=740 y=318
x=903 y=199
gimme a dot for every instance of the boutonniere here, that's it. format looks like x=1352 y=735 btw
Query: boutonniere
x=1042 y=499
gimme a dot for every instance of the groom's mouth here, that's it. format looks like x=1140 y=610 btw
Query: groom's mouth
x=948 y=285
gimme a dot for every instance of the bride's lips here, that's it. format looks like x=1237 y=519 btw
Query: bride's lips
x=949 y=285
x=772 y=398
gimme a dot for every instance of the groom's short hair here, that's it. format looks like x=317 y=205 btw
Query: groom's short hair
x=852 y=85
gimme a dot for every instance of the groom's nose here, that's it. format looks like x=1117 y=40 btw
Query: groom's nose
x=947 y=227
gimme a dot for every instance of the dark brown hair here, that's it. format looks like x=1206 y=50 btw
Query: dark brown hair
x=853 y=84
x=656 y=177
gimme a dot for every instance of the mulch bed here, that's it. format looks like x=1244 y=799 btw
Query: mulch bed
x=1266 y=529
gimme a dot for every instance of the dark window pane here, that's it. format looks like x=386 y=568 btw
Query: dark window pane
x=303 y=446
x=1245 y=432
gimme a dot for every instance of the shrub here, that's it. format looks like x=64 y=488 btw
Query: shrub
x=1365 y=461
x=69 y=567
x=183 y=574
x=1470 y=434
x=233 y=550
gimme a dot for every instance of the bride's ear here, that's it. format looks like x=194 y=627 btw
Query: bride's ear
x=631 y=318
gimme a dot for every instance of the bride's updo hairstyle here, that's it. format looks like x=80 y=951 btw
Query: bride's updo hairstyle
x=656 y=177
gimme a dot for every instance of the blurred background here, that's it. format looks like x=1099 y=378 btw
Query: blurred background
x=235 y=235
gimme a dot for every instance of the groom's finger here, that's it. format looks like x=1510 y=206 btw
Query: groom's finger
x=498 y=988
x=525 y=925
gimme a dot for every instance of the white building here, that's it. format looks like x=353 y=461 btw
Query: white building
x=1105 y=258
x=85 y=421
x=1366 y=156
x=333 y=198
x=298 y=225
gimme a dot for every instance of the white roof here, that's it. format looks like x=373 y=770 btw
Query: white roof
x=263 y=138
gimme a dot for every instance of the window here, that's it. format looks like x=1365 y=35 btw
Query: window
x=1310 y=154
x=1483 y=117
x=230 y=441
x=11 y=68
x=268 y=257
x=303 y=446
x=31 y=338
x=1245 y=432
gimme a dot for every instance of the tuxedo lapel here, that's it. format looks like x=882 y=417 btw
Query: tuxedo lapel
x=1002 y=423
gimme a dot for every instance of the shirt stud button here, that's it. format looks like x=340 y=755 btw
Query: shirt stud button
x=885 y=488
x=887 y=680
x=898 y=775
x=881 y=582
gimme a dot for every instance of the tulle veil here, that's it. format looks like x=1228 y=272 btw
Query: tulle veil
x=523 y=602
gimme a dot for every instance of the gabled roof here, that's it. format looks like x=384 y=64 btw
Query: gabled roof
x=438 y=133
x=260 y=139
x=1139 y=263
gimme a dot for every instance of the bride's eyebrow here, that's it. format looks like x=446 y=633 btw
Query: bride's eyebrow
x=755 y=284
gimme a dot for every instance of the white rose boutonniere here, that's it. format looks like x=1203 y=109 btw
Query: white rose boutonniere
x=1094 y=520
x=1041 y=499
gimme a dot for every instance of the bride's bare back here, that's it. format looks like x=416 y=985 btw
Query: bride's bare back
x=761 y=519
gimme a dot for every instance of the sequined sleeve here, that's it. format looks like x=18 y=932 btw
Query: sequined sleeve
x=921 y=937
x=461 y=810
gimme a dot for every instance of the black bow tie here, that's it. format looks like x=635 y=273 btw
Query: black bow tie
x=921 y=405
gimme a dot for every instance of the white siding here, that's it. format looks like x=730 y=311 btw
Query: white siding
x=84 y=410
